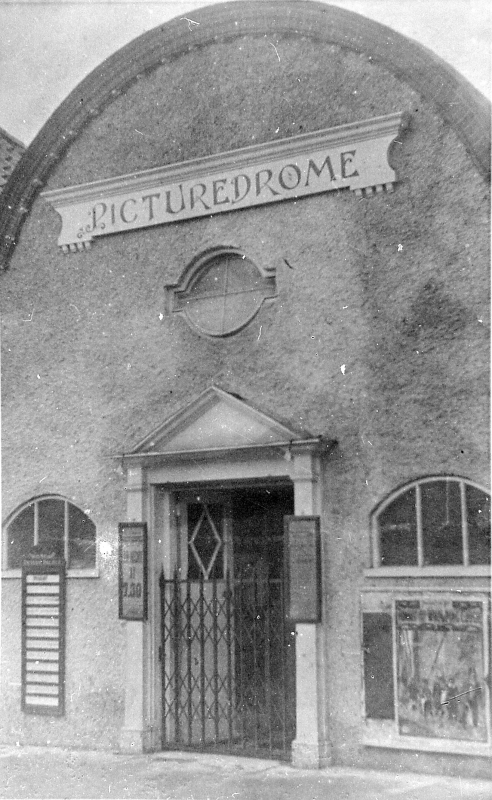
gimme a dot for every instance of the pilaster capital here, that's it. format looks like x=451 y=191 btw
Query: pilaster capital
x=136 y=479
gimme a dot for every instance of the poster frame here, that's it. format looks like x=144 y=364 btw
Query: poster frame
x=432 y=598
x=42 y=564
x=123 y=546
x=312 y=614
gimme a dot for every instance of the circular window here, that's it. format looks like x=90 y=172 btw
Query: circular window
x=224 y=294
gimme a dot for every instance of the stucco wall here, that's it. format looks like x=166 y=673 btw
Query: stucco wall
x=394 y=287
x=93 y=667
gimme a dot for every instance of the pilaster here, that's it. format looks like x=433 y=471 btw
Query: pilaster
x=310 y=749
x=136 y=735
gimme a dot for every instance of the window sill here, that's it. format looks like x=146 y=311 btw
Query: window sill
x=383 y=733
x=477 y=571
x=71 y=573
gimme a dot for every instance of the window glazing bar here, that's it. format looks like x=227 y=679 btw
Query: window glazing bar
x=464 y=525
x=36 y=523
x=65 y=533
x=376 y=553
x=420 y=536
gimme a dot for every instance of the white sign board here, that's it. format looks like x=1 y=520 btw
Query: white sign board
x=353 y=156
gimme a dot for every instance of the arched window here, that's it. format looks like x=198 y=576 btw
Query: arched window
x=434 y=521
x=425 y=619
x=55 y=522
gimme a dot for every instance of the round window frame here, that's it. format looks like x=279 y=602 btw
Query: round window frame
x=195 y=272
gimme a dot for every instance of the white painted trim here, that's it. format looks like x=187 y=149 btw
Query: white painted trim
x=205 y=401
x=451 y=746
x=71 y=573
x=142 y=694
x=227 y=469
x=102 y=207
x=352 y=133
x=473 y=571
x=427 y=479
x=425 y=588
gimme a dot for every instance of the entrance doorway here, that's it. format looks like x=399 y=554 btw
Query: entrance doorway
x=227 y=652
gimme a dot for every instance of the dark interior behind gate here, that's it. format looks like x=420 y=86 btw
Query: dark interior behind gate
x=227 y=652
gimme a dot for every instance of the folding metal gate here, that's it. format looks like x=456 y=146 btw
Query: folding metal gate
x=228 y=666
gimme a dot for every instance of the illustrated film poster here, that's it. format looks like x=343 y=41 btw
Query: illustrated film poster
x=440 y=669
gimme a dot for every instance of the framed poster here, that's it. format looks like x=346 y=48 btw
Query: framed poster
x=43 y=635
x=441 y=668
x=303 y=569
x=132 y=571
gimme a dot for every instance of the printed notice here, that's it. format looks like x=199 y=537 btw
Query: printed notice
x=441 y=668
x=133 y=571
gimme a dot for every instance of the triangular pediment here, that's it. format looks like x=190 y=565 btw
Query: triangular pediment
x=217 y=420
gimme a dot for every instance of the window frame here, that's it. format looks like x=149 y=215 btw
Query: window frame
x=178 y=294
x=445 y=570
x=79 y=572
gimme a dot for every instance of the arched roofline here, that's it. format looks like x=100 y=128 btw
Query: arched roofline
x=455 y=99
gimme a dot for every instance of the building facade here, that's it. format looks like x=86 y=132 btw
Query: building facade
x=245 y=408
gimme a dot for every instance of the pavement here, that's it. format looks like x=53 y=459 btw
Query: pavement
x=32 y=772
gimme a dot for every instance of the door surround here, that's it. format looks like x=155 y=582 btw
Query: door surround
x=151 y=480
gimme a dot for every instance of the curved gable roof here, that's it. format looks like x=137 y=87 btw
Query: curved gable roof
x=455 y=99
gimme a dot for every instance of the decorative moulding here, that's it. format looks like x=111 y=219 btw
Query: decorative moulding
x=353 y=156
x=216 y=418
x=218 y=421
x=227 y=312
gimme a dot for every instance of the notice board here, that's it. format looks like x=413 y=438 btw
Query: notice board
x=303 y=569
x=43 y=636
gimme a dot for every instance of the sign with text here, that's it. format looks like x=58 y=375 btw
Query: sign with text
x=132 y=571
x=353 y=156
x=43 y=635
x=303 y=569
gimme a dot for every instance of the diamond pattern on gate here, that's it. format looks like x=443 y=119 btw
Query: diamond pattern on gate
x=205 y=542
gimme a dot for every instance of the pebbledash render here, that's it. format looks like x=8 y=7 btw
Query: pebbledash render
x=245 y=309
